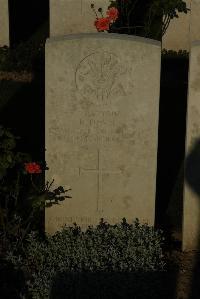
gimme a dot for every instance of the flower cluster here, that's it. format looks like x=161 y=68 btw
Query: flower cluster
x=148 y=19
x=103 y=23
x=32 y=167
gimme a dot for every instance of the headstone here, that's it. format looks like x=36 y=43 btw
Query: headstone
x=4 y=23
x=195 y=24
x=74 y=16
x=102 y=106
x=177 y=36
x=185 y=29
x=191 y=206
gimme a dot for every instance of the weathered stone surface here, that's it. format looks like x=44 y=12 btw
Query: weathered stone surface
x=177 y=36
x=4 y=23
x=195 y=24
x=183 y=30
x=191 y=207
x=102 y=105
x=74 y=16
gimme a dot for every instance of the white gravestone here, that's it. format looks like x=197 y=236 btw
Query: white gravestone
x=191 y=206
x=101 y=119
x=74 y=16
x=185 y=29
x=4 y=23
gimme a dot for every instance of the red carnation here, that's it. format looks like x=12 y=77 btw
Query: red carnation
x=32 y=167
x=102 y=24
x=113 y=13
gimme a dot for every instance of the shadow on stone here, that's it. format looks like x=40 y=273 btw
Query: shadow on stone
x=192 y=170
x=192 y=176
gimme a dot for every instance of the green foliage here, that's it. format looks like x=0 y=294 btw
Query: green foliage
x=10 y=175
x=21 y=202
x=175 y=54
x=152 y=21
x=22 y=58
x=8 y=157
x=27 y=56
x=109 y=248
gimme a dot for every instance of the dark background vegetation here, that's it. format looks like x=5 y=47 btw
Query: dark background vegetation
x=25 y=18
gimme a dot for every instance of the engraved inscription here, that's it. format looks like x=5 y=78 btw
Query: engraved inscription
x=99 y=171
x=98 y=128
x=97 y=77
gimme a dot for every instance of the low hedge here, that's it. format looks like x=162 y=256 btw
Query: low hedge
x=105 y=252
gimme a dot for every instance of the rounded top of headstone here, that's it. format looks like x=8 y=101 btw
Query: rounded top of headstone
x=106 y=35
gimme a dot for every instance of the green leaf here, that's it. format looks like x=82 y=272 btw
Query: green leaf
x=9 y=158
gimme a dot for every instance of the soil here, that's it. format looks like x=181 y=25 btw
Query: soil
x=188 y=274
x=185 y=269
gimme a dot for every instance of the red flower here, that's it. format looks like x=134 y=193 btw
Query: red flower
x=113 y=13
x=102 y=24
x=32 y=167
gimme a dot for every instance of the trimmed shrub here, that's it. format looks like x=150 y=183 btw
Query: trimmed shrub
x=110 y=249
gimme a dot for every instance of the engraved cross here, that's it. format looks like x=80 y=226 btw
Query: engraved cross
x=99 y=170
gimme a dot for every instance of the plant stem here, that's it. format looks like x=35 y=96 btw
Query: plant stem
x=94 y=12
x=34 y=184
x=166 y=25
x=129 y=14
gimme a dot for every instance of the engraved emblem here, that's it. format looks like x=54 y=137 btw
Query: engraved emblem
x=98 y=76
